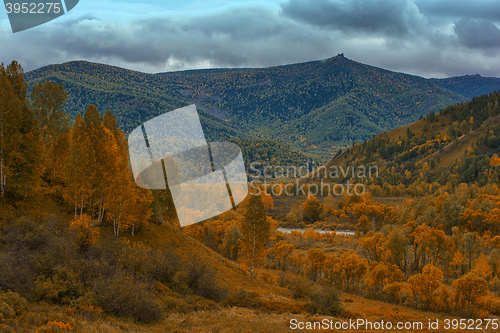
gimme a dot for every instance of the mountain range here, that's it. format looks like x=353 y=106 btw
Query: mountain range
x=313 y=108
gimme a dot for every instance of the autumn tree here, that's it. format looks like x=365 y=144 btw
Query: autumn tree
x=86 y=233
x=425 y=284
x=380 y=275
x=482 y=268
x=430 y=246
x=398 y=292
x=19 y=140
x=315 y=263
x=312 y=208
x=468 y=290
x=256 y=230
x=280 y=253
x=374 y=245
x=471 y=247
x=363 y=224
x=47 y=101
x=75 y=168
x=268 y=201
x=128 y=204
x=397 y=244
x=98 y=180
x=230 y=242
x=350 y=269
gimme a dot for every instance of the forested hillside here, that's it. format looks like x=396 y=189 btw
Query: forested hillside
x=314 y=107
x=470 y=85
x=457 y=145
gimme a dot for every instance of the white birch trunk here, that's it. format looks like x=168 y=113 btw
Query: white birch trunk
x=253 y=258
x=81 y=207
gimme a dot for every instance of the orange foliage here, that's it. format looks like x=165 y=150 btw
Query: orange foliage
x=87 y=234
x=425 y=284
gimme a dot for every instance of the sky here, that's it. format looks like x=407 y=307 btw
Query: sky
x=430 y=38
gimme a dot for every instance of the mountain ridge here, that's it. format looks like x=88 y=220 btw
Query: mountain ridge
x=315 y=107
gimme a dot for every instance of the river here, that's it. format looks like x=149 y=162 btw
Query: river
x=339 y=232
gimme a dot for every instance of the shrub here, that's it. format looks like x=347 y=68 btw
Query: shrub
x=299 y=287
x=179 y=282
x=398 y=292
x=325 y=300
x=62 y=287
x=87 y=305
x=86 y=234
x=201 y=280
x=6 y=311
x=124 y=297
x=12 y=303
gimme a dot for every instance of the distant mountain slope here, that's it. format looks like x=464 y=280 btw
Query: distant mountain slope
x=318 y=104
x=470 y=85
x=315 y=107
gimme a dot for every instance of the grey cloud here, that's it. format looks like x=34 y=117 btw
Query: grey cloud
x=479 y=34
x=389 y=34
x=235 y=38
x=484 y=9
x=391 y=17
x=250 y=23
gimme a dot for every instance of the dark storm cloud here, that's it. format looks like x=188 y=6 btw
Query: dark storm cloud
x=478 y=34
x=483 y=9
x=234 y=38
x=423 y=37
x=391 y=17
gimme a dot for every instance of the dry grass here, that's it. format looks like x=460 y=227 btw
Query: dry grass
x=227 y=320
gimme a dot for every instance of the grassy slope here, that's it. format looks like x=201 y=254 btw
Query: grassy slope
x=228 y=320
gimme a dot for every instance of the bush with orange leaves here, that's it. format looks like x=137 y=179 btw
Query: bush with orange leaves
x=11 y=304
x=399 y=292
x=380 y=275
x=87 y=234
x=490 y=303
x=54 y=327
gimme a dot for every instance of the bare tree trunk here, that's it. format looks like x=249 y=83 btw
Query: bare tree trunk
x=81 y=207
x=91 y=212
x=101 y=211
x=253 y=258
x=76 y=203
x=116 y=221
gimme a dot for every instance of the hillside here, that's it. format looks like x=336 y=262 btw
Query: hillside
x=453 y=146
x=317 y=105
x=313 y=107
